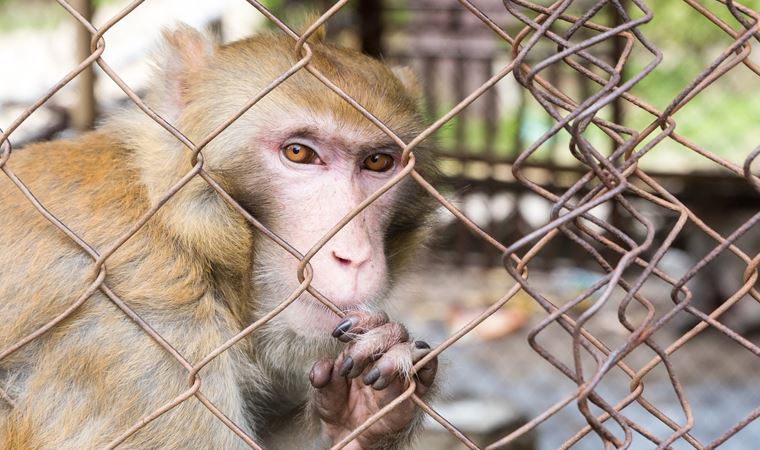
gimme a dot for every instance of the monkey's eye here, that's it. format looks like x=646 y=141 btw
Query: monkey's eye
x=378 y=162
x=300 y=154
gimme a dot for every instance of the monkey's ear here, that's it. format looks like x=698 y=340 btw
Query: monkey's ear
x=321 y=32
x=184 y=54
x=408 y=79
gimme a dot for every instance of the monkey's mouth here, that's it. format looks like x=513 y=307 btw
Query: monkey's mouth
x=309 y=316
x=314 y=303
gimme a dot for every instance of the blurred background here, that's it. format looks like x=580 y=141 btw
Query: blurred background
x=494 y=380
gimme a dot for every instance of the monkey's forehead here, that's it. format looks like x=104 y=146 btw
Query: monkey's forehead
x=256 y=61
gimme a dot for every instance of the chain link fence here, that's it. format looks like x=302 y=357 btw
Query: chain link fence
x=562 y=33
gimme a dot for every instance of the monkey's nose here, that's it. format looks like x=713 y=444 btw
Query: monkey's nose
x=350 y=261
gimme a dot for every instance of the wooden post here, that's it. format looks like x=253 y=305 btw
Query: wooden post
x=616 y=50
x=84 y=112
x=617 y=216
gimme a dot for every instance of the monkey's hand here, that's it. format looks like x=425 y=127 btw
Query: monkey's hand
x=369 y=373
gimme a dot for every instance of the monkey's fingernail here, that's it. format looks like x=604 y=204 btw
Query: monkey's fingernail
x=342 y=328
x=421 y=344
x=348 y=363
x=371 y=376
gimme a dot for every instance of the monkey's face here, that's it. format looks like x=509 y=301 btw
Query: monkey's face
x=301 y=160
x=319 y=172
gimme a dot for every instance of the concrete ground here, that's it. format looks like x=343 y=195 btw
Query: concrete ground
x=493 y=378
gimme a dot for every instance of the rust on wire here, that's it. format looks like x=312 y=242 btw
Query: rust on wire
x=605 y=177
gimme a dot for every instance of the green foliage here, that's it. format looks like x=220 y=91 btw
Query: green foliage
x=35 y=14
x=676 y=23
x=722 y=118
x=15 y=14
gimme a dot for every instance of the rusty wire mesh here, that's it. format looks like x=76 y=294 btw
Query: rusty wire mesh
x=610 y=177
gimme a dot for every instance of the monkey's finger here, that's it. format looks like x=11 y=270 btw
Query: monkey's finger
x=358 y=322
x=372 y=345
x=395 y=364
x=426 y=375
x=320 y=373
x=332 y=390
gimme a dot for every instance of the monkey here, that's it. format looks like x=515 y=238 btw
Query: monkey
x=198 y=272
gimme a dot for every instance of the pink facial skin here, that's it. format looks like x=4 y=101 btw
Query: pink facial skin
x=350 y=269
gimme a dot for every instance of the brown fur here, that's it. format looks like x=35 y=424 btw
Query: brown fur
x=186 y=272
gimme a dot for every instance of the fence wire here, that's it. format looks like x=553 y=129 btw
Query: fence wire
x=611 y=177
